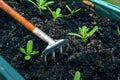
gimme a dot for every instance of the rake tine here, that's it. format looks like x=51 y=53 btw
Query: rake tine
x=53 y=56
x=61 y=51
x=44 y=57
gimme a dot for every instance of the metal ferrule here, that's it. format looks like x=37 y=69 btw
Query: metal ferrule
x=43 y=36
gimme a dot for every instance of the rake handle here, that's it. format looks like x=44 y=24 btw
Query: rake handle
x=5 y=7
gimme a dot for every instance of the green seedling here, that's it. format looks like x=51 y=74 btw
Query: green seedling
x=29 y=50
x=77 y=75
x=118 y=30
x=72 y=11
x=56 y=14
x=84 y=32
x=41 y=4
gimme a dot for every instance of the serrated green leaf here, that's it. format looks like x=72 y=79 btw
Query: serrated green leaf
x=29 y=46
x=93 y=31
x=83 y=31
x=58 y=10
x=77 y=10
x=69 y=8
x=39 y=1
x=35 y=52
x=22 y=50
x=33 y=3
x=50 y=10
x=77 y=75
x=74 y=34
x=48 y=3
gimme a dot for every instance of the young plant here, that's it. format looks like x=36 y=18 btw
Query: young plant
x=29 y=50
x=118 y=30
x=84 y=32
x=77 y=75
x=72 y=11
x=56 y=14
x=41 y=4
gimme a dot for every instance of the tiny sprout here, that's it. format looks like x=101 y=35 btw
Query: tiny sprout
x=118 y=30
x=28 y=52
x=77 y=75
x=84 y=32
x=41 y=4
x=56 y=14
x=72 y=11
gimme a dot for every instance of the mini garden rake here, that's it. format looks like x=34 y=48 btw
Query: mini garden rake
x=52 y=44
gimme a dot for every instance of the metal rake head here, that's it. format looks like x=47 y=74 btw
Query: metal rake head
x=52 y=47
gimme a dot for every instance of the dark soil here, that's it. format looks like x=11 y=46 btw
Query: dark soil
x=97 y=59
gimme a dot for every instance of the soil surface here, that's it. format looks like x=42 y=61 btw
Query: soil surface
x=97 y=59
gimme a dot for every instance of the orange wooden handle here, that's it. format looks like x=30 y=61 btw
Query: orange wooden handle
x=5 y=7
